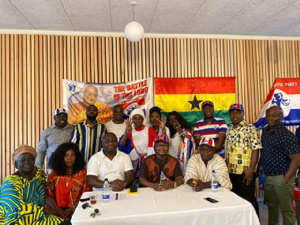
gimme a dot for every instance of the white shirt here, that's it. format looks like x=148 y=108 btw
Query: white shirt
x=196 y=169
x=174 y=145
x=102 y=167
x=117 y=129
x=141 y=141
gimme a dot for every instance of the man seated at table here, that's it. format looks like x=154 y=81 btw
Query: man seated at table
x=112 y=164
x=199 y=168
x=160 y=162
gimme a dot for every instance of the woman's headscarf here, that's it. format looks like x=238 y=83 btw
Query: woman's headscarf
x=21 y=150
x=138 y=111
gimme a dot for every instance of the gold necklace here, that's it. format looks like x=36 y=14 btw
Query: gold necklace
x=67 y=181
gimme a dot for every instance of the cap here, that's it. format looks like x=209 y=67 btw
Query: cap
x=162 y=138
x=207 y=141
x=59 y=111
x=207 y=103
x=237 y=107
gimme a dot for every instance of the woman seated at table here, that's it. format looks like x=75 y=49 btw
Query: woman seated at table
x=157 y=122
x=68 y=179
x=182 y=144
x=137 y=142
x=22 y=194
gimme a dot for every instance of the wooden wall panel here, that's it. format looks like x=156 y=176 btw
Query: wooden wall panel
x=32 y=68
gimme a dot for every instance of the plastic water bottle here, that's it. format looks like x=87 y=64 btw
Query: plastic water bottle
x=105 y=192
x=162 y=177
x=214 y=182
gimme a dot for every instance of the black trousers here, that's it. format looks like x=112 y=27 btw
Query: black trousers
x=246 y=192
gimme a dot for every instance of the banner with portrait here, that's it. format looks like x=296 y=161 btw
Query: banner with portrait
x=78 y=95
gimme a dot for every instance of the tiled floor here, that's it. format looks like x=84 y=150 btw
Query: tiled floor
x=263 y=213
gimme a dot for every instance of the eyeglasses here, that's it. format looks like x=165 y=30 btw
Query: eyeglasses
x=90 y=94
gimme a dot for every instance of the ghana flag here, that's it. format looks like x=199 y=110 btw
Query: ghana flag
x=185 y=96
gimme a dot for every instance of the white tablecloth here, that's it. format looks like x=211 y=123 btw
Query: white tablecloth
x=180 y=206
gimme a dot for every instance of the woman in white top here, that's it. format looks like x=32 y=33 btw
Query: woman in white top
x=182 y=144
x=138 y=139
x=158 y=122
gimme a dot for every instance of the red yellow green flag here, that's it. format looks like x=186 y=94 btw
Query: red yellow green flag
x=185 y=96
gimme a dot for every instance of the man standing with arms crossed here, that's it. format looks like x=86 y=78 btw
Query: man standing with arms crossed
x=280 y=158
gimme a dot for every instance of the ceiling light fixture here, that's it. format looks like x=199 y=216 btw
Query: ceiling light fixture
x=134 y=31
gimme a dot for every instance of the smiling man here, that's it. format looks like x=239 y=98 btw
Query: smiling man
x=242 y=150
x=281 y=159
x=90 y=95
x=211 y=127
x=112 y=164
x=160 y=162
x=88 y=134
x=53 y=136
x=199 y=169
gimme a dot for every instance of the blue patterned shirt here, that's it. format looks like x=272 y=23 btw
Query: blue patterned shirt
x=277 y=146
x=88 y=138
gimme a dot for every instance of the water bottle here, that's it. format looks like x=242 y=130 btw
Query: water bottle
x=162 y=177
x=105 y=192
x=214 y=182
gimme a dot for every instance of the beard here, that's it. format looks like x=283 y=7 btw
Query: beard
x=92 y=118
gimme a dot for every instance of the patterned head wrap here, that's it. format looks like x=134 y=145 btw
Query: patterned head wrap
x=21 y=150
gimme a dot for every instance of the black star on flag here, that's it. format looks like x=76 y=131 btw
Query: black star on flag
x=195 y=103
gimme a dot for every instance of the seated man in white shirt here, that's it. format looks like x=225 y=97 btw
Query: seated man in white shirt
x=199 y=168
x=112 y=164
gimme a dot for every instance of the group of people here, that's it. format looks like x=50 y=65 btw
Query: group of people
x=126 y=152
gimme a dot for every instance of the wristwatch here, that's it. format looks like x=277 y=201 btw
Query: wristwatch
x=125 y=184
x=175 y=185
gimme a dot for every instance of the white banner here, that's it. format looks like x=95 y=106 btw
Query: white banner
x=78 y=95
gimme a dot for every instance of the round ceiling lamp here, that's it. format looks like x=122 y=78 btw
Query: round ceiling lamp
x=134 y=31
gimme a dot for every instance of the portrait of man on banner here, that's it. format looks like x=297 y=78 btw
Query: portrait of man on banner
x=77 y=96
x=79 y=101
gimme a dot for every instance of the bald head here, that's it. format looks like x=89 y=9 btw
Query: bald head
x=91 y=88
x=276 y=109
x=90 y=94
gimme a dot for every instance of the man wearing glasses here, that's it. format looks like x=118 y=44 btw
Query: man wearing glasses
x=161 y=171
